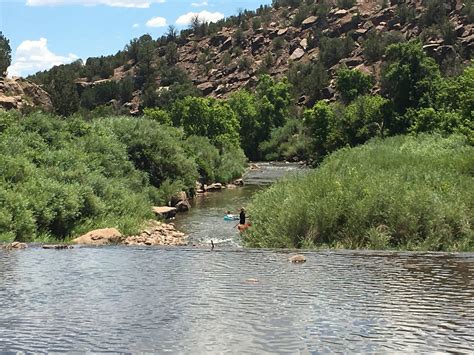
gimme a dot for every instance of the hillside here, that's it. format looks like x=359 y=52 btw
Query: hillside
x=304 y=40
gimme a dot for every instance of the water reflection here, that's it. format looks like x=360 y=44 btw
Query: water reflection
x=196 y=301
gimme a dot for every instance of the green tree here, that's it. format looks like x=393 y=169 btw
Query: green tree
x=410 y=77
x=244 y=104
x=62 y=90
x=318 y=121
x=5 y=54
x=207 y=117
x=351 y=83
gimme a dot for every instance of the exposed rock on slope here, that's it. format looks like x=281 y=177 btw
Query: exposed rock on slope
x=18 y=93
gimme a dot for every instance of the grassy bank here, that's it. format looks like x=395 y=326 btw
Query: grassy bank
x=405 y=192
x=63 y=177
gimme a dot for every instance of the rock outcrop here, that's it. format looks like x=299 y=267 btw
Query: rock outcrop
x=165 y=211
x=232 y=58
x=15 y=245
x=100 y=237
x=158 y=234
x=297 y=259
x=18 y=93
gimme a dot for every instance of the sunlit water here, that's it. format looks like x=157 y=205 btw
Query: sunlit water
x=205 y=221
x=242 y=301
x=233 y=300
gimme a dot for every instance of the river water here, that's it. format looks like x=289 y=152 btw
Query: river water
x=233 y=300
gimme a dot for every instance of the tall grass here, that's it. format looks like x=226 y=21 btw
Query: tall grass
x=404 y=192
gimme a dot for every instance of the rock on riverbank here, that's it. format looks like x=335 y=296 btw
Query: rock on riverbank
x=158 y=234
x=154 y=233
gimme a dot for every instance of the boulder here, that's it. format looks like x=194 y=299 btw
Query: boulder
x=218 y=40
x=15 y=245
x=214 y=187
x=282 y=31
x=298 y=53
x=227 y=44
x=310 y=21
x=99 y=237
x=297 y=259
x=239 y=182
x=352 y=62
x=57 y=246
x=341 y=13
x=257 y=43
x=158 y=234
x=304 y=43
x=206 y=88
x=165 y=211
x=178 y=197
x=183 y=206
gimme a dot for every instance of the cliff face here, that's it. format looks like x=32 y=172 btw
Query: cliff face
x=272 y=40
x=18 y=93
x=225 y=76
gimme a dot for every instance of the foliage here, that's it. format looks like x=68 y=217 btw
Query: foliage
x=403 y=192
x=376 y=42
x=345 y=4
x=61 y=178
x=207 y=117
x=308 y=79
x=5 y=54
x=334 y=49
x=352 y=83
x=410 y=78
x=259 y=114
x=288 y=142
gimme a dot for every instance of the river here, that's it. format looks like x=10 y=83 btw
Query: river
x=233 y=300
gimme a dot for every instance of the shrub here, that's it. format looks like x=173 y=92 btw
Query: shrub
x=352 y=83
x=402 y=192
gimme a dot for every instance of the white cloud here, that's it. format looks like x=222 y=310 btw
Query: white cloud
x=200 y=4
x=136 y=25
x=33 y=56
x=204 y=15
x=156 y=22
x=113 y=3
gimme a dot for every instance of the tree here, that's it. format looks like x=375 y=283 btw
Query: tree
x=63 y=92
x=410 y=77
x=308 y=79
x=207 y=117
x=172 y=33
x=245 y=106
x=318 y=120
x=352 y=83
x=171 y=54
x=5 y=54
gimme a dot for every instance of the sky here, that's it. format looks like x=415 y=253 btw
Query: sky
x=44 y=33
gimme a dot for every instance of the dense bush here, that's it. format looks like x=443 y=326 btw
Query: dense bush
x=64 y=177
x=403 y=192
x=352 y=83
x=60 y=178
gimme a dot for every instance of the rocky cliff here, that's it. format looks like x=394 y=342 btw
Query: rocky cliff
x=271 y=40
x=18 y=93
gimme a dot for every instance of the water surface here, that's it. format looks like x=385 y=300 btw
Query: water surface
x=242 y=301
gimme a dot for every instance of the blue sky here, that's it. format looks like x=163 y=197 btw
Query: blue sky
x=44 y=33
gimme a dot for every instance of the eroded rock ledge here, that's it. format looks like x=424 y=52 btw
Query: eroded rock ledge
x=154 y=233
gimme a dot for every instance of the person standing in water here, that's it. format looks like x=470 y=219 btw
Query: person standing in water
x=242 y=216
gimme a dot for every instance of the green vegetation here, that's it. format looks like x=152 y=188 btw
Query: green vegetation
x=5 y=54
x=404 y=192
x=62 y=177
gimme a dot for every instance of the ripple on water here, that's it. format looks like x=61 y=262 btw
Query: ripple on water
x=184 y=300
